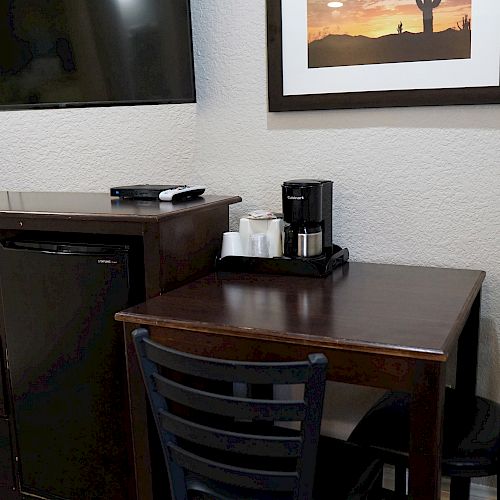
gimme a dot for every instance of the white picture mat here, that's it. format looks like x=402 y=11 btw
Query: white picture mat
x=481 y=70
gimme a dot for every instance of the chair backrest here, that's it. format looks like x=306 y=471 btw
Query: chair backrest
x=226 y=445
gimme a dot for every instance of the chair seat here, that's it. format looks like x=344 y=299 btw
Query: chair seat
x=471 y=432
x=344 y=471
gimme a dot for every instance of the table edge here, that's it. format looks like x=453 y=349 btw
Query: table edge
x=290 y=338
x=220 y=200
x=438 y=355
x=464 y=313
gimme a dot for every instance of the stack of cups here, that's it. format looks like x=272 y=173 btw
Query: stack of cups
x=259 y=236
x=231 y=244
x=258 y=245
x=270 y=231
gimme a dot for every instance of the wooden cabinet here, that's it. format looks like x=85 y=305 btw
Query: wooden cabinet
x=170 y=244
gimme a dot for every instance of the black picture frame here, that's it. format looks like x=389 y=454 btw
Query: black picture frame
x=350 y=100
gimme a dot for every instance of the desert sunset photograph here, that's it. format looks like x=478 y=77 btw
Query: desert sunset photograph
x=357 y=32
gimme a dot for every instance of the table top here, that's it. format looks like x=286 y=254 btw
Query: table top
x=100 y=206
x=406 y=311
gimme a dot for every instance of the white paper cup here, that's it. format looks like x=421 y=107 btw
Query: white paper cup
x=231 y=244
x=274 y=231
x=272 y=228
x=258 y=245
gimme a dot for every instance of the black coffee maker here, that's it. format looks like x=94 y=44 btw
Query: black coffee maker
x=307 y=212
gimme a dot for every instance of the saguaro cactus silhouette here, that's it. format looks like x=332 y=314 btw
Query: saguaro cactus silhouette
x=427 y=6
x=465 y=23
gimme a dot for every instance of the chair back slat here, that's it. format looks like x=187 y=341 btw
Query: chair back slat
x=227 y=370
x=237 y=442
x=230 y=443
x=238 y=476
x=241 y=408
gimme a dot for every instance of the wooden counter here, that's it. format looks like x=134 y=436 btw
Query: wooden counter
x=169 y=244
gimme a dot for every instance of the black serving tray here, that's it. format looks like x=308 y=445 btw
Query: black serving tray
x=318 y=267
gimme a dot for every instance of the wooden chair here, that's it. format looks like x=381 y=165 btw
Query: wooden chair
x=225 y=446
x=471 y=443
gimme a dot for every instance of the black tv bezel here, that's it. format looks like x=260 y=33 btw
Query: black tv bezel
x=94 y=104
x=107 y=104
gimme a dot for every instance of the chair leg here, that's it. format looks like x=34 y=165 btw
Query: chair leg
x=460 y=488
x=377 y=492
x=400 y=480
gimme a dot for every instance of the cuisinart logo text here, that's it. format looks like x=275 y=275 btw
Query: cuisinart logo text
x=106 y=261
x=295 y=197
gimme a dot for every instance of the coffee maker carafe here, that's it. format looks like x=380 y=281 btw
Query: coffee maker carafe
x=307 y=212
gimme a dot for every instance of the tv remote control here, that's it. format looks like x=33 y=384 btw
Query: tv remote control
x=181 y=193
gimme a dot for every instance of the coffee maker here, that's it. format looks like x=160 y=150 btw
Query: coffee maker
x=307 y=213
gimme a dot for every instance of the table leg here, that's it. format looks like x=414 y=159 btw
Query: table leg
x=467 y=352
x=460 y=488
x=138 y=417
x=426 y=431
x=466 y=376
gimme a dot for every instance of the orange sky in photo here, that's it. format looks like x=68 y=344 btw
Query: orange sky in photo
x=374 y=18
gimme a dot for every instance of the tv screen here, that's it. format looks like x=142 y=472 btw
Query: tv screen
x=58 y=53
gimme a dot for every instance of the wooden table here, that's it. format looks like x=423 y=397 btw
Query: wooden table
x=386 y=326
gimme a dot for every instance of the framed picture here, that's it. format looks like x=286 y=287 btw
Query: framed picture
x=377 y=53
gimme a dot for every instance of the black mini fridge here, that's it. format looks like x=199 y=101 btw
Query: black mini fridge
x=66 y=367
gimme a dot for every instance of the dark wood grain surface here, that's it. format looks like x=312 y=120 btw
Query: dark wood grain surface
x=100 y=206
x=169 y=245
x=385 y=326
x=406 y=311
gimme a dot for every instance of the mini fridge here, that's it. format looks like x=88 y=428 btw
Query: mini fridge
x=66 y=367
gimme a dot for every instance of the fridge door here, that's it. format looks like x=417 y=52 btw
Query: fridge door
x=67 y=368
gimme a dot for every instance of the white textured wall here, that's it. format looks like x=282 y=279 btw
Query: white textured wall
x=92 y=149
x=412 y=186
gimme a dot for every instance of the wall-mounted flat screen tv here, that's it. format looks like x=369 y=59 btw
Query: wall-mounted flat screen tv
x=59 y=53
